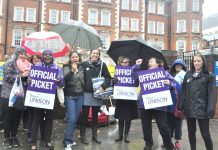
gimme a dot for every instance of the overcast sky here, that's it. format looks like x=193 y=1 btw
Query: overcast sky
x=210 y=7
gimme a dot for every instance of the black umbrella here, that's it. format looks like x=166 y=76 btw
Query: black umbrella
x=135 y=48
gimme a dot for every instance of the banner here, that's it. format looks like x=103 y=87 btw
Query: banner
x=42 y=88
x=153 y=90
x=125 y=88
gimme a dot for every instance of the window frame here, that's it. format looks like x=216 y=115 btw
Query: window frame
x=137 y=22
x=148 y=29
x=125 y=7
x=135 y=7
x=151 y=8
x=162 y=12
x=63 y=11
x=96 y=16
x=162 y=28
x=50 y=17
x=181 y=5
x=103 y=17
x=195 y=29
x=21 y=15
x=27 y=15
x=177 y=45
x=14 y=31
x=127 y=25
x=178 y=26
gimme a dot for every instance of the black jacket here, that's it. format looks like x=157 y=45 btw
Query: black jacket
x=92 y=70
x=74 y=82
x=198 y=98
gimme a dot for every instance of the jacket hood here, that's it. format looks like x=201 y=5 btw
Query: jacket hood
x=51 y=54
x=176 y=62
x=18 y=50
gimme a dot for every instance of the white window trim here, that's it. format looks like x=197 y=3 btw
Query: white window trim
x=177 y=30
x=127 y=19
x=193 y=44
x=106 y=1
x=57 y=14
x=22 y=14
x=66 y=1
x=135 y=5
x=122 y=6
x=131 y=28
x=180 y=8
x=96 y=18
x=13 y=35
x=152 y=11
x=1 y=7
x=153 y=22
x=158 y=10
x=177 y=46
x=102 y=17
x=198 y=26
x=107 y=42
x=34 y=18
x=193 y=6
x=64 y=12
x=161 y=29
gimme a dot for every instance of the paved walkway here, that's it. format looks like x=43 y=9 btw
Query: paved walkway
x=107 y=135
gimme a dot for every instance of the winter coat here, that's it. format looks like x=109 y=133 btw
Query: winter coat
x=198 y=98
x=172 y=85
x=74 y=82
x=92 y=70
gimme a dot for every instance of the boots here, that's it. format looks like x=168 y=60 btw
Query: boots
x=83 y=135
x=126 y=134
x=95 y=135
x=120 y=134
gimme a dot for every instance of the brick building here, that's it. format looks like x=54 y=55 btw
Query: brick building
x=171 y=24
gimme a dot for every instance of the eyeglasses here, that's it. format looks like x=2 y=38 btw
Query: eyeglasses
x=125 y=62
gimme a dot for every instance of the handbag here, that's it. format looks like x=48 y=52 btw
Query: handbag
x=97 y=82
x=111 y=108
x=177 y=113
x=16 y=98
x=60 y=94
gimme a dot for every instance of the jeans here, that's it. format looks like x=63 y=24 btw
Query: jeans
x=73 y=107
x=204 y=129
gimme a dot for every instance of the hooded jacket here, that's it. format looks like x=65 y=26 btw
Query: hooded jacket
x=198 y=99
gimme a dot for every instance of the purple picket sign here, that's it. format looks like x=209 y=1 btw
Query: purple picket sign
x=124 y=76
x=43 y=79
x=151 y=81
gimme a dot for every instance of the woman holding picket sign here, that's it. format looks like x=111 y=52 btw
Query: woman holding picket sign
x=93 y=67
x=159 y=114
x=126 y=110
x=46 y=114
x=15 y=69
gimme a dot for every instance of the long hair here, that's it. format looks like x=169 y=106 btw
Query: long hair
x=74 y=52
x=204 y=66
x=120 y=60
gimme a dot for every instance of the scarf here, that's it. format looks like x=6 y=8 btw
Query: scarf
x=23 y=64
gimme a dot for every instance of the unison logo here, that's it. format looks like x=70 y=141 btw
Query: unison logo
x=125 y=93
x=38 y=100
x=153 y=100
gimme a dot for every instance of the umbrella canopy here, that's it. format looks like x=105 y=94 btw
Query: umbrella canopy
x=37 y=42
x=78 y=34
x=134 y=48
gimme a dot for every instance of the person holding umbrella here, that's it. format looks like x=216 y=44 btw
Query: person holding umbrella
x=126 y=110
x=47 y=114
x=159 y=114
x=92 y=68
x=198 y=100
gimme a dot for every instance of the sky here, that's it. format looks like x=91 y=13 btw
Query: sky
x=210 y=7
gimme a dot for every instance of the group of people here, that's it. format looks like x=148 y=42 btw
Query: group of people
x=195 y=96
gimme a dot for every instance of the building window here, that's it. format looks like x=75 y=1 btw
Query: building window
x=125 y=4
x=67 y=1
x=17 y=37
x=107 y=1
x=160 y=27
x=0 y=7
x=160 y=44
x=181 y=26
x=53 y=16
x=18 y=13
x=65 y=16
x=181 y=5
x=124 y=24
x=105 y=41
x=105 y=17
x=134 y=25
x=195 y=44
x=151 y=7
x=93 y=16
x=151 y=27
x=160 y=9
x=135 y=5
x=195 y=26
x=180 y=45
x=195 y=5
x=31 y=15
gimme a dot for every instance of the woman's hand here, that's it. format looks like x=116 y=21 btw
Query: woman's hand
x=25 y=73
x=139 y=61
x=74 y=67
x=167 y=82
x=101 y=90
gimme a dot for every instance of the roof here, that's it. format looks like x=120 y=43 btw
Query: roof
x=210 y=22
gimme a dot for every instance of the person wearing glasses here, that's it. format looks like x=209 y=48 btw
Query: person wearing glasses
x=126 y=110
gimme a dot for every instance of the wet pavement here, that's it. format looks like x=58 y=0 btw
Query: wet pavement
x=108 y=134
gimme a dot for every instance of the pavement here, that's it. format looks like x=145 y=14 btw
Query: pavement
x=108 y=134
